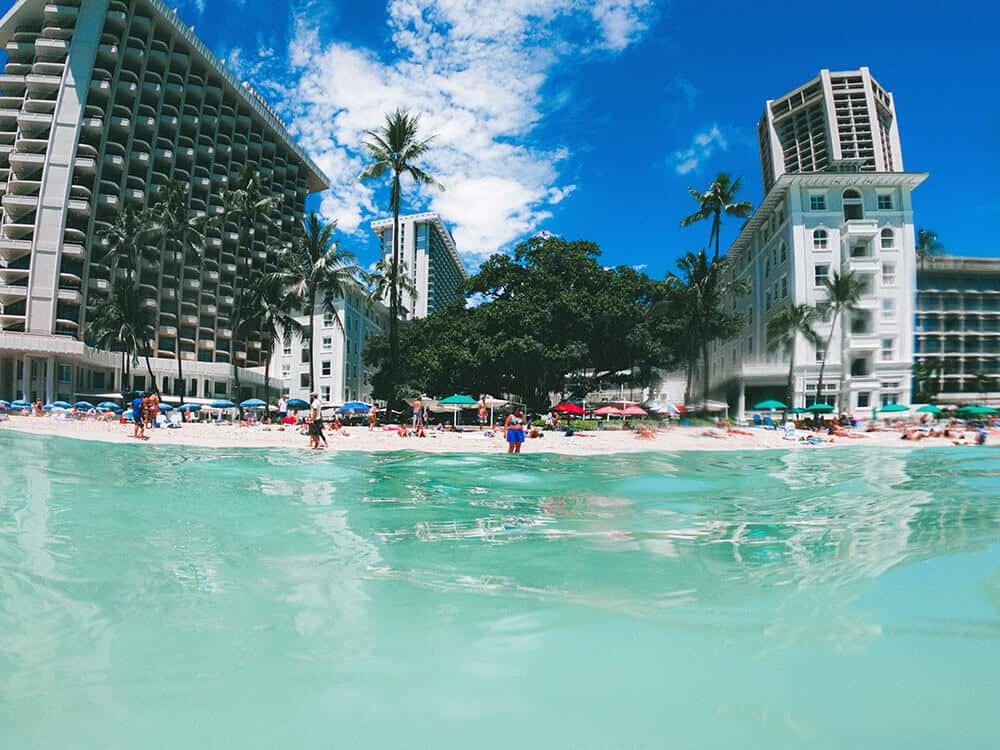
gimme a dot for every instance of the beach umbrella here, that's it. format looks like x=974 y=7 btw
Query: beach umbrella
x=48 y=407
x=929 y=409
x=83 y=405
x=297 y=403
x=354 y=406
x=188 y=407
x=459 y=399
x=252 y=403
x=771 y=404
x=572 y=409
x=4 y=404
x=797 y=410
x=166 y=407
x=893 y=408
x=20 y=404
x=107 y=405
x=820 y=409
x=61 y=405
x=493 y=403
x=608 y=411
x=976 y=411
x=128 y=414
x=222 y=404
x=634 y=411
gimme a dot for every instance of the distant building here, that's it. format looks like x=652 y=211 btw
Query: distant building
x=840 y=121
x=958 y=327
x=430 y=258
x=339 y=370
x=103 y=103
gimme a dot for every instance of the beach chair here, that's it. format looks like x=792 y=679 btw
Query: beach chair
x=769 y=424
x=757 y=421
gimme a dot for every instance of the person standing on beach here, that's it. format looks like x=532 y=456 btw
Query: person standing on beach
x=514 y=430
x=316 y=425
x=154 y=407
x=138 y=426
x=372 y=417
x=418 y=408
x=482 y=415
x=282 y=409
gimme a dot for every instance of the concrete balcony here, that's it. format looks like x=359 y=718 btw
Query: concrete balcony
x=70 y=295
x=26 y=165
x=168 y=331
x=12 y=84
x=864 y=342
x=17 y=206
x=859 y=228
x=72 y=250
x=39 y=86
x=863 y=264
x=101 y=285
x=51 y=49
x=13 y=250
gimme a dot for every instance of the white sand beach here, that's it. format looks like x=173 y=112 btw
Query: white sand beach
x=359 y=439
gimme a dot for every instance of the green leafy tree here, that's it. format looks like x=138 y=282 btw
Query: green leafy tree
x=183 y=236
x=249 y=204
x=395 y=148
x=378 y=281
x=698 y=294
x=784 y=329
x=317 y=269
x=275 y=319
x=928 y=244
x=719 y=199
x=843 y=291
x=927 y=379
x=129 y=242
x=123 y=320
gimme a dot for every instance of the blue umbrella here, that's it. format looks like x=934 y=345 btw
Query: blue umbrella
x=20 y=404
x=166 y=407
x=83 y=405
x=297 y=403
x=49 y=407
x=189 y=407
x=129 y=414
x=355 y=406
x=61 y=405
x=253 y=403
x=4 y=404
x=107 y=405
x=222 y=404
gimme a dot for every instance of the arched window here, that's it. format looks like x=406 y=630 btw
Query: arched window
x=819 y=239
x=853 y=210
x=888 y=239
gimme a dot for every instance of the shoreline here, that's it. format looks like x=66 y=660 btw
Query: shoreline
x=671 y=440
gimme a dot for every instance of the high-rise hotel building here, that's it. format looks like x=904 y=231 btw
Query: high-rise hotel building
x=431 y=259
x=103 y=102
x=836 y=200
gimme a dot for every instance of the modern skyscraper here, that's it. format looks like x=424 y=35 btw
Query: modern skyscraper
x=103 y=103
x=837 y=122
x=958 y=329
x=430 y=258
x=818 y=218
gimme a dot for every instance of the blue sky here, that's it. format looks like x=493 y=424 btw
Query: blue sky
x=591 y=120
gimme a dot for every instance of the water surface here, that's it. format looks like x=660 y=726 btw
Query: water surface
x=163 y=597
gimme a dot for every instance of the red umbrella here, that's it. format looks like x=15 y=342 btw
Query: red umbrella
x=605 y=411
x=634 y=411
x=570 y=409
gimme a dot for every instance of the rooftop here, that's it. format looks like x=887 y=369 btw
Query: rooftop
x=429 y=217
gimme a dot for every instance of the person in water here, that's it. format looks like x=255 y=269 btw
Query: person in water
x=514 y=429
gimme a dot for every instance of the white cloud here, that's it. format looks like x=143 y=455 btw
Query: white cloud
x=703 y=145
x=475 y=73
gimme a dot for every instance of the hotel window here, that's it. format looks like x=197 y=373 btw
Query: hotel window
x=324 y=392
x=817 y=203
x=853 y=208
x=325 y=368
x=287 y=344
x=767 y=265
x=819 y=239
x=303 y=380
x=65 y=374
x=784 y=252
x=286 y=369
x=888 y=309
x=306 y=346
x=864 y=399
x=327 y=343
x=888 y=239
x=884 y=202
x=767 y=300
x=889 y=393
x=328 y=320
x=820 y=354
x=784 y=286
x=820 y=273
x=888 y=350
x=888 y=274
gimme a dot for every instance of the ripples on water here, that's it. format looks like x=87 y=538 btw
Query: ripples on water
x=268 y=598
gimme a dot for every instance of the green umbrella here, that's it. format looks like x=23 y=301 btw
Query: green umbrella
x=820 y=409
x=797 y=410
x=459 y=400
x=977 y=411
x=893 y=408
x=929 y=409
x=772 y=404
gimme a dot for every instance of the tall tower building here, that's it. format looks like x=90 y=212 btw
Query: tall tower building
x=837 y=122
x=103 y=102
x=430 y=258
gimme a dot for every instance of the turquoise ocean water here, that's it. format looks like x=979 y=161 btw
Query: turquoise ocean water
x=842 y=598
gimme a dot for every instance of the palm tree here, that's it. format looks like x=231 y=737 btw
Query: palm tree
x=248 y=204
x=697 y=296
x=275 y=304
x=129 y=241
x=378 y=281
x=928 y=245
x=926 y=378
x=984 y=382
x=720 y=198
x=317 y=269
x=784 y=329
x=122 y=319
x=183 y=235
x=843 y=290
x=395 y=147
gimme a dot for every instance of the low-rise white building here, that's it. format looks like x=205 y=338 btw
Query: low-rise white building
x=809 y=226
x=336 y=351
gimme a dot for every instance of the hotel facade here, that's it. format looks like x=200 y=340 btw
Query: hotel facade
x=837 y=200
x=431 y=259
x=101 y=104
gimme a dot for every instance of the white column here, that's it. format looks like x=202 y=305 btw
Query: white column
x=50 y=379
x=741 y=401
x=26 y=380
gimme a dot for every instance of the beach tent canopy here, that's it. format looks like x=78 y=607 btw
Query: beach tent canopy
x=608 y=411
x=222 y=404
x=253 y=403
x=297 y=403
x=772 y=404
x=355 y=406
x=929 y=409
x=889 y=408
x=634 y=411
x=820 y=409
x=567 y=408
x=459 y=399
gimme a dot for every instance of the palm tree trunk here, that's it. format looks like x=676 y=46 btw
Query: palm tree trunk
x=177 y=342
x=704 y=374
x=841 y=406
x=394 y=294
x=789 y=392
x=267 y=376
x=822 y=364
x=149 y=367
x=312 y=309
x=690 y=380
x=124 y=388
x=716 y=226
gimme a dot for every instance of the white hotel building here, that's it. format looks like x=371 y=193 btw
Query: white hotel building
x=837 y=199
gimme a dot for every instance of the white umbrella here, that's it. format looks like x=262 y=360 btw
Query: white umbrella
x=493 y=403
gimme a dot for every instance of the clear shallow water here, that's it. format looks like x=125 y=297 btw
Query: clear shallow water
x=239 y=599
